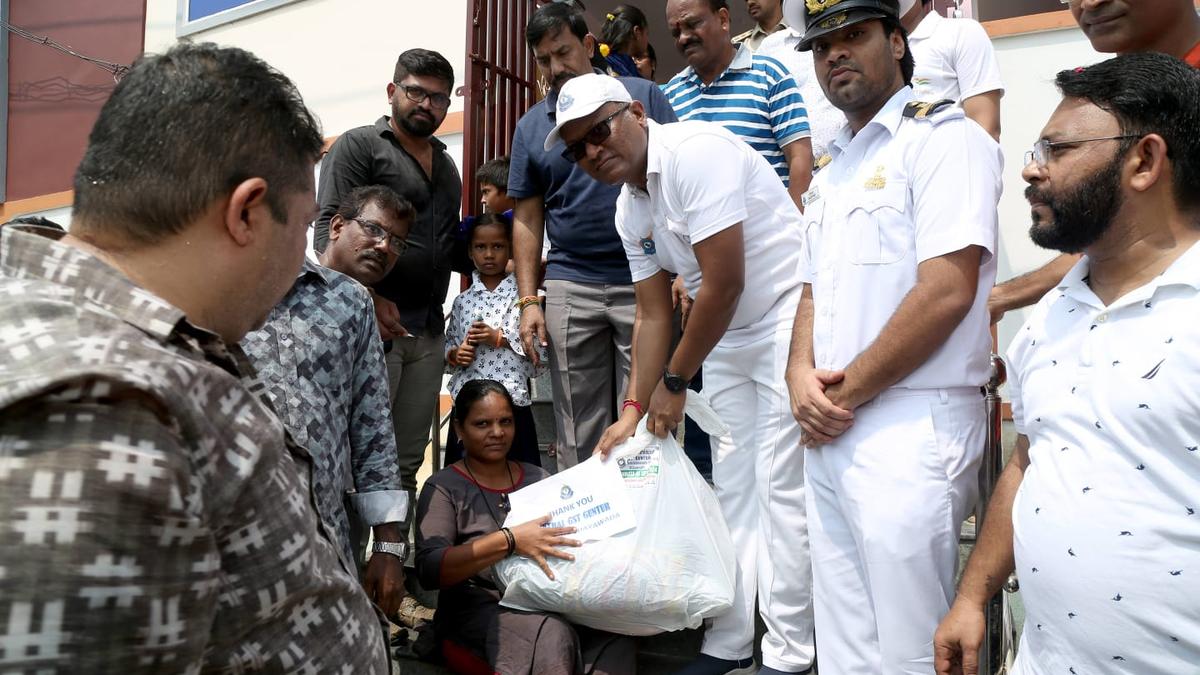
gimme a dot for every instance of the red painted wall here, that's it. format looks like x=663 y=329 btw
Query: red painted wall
x=54 y=98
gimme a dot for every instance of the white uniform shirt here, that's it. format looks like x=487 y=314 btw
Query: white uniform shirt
x=700 y=180
x=1106 y=524
x=900 y=192
x=954 y=59
x=824 y=120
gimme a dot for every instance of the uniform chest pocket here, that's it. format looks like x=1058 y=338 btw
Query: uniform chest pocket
x=880 y=230
x=810 y=223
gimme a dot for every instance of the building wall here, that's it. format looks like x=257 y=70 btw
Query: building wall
x=1028 y=64
x=54 y=98
x=341 y=53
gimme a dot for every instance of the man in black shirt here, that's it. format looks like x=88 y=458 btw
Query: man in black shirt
x=401 y=152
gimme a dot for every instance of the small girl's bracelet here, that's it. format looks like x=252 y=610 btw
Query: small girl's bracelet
x=630 y=403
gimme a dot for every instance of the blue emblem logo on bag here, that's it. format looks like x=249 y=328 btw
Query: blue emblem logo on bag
x=566 y=492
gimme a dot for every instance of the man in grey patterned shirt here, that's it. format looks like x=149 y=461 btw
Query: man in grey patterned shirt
x=321 y=361
x=154 y=515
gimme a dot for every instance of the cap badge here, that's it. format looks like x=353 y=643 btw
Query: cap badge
x=819 y=6
x=564 y=102
x=834 y=21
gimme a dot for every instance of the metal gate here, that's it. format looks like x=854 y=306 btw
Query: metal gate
x=500 y=86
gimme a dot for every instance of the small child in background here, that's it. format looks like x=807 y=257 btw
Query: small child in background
x=492 y=177
x=483 y=337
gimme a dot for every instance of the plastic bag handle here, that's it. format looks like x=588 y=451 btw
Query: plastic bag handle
x=697 y=407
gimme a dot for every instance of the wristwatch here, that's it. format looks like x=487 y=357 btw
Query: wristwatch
x=674 y=383
x=396 y=548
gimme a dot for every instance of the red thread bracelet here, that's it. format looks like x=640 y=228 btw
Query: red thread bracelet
x=630 y=403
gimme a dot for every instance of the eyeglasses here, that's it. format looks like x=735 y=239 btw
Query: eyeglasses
x=1043 y=150
x=595 y=136
x=375 y=231
x=417 y=94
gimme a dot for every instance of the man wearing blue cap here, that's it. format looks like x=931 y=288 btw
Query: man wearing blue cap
x=891 y=344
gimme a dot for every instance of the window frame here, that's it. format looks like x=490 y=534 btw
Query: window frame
x=185 y=27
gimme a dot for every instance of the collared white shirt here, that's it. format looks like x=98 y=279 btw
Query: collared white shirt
x=954 y=59
x=1106 y=524
x=702 y=180
x=507 y=365
x=754 y=37
x=900 y=192
x=824 y=120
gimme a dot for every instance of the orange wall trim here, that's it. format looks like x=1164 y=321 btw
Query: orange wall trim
x=453 y=124
x=1030 y=24
x=17 y=207
x=1034 y=23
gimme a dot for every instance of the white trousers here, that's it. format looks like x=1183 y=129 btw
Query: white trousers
x=885 y=504
x=759 y=480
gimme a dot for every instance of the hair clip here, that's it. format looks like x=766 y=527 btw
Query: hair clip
x=611 y=16
x=465 y=227
x=605 y=50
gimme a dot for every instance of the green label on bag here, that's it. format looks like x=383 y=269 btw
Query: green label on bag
x=642 y=469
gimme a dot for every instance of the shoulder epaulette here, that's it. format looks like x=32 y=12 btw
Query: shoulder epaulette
x=919 y=110
x=742 y=37
x=822 y=162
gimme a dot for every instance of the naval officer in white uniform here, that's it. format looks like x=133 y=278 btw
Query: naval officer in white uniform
x=891 y=344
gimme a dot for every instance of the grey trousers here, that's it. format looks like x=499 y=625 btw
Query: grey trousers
x=590 y=328
x=415 y=367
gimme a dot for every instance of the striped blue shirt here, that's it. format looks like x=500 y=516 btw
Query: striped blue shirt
x=755 y=98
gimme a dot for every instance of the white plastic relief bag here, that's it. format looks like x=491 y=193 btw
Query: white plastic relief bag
x=673 y=569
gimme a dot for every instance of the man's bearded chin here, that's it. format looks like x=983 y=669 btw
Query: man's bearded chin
x=1081 y=214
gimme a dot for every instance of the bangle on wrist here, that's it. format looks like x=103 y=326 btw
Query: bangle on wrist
x=512 y=541
x=499 y=338
x=526 y=301
x=631 y=403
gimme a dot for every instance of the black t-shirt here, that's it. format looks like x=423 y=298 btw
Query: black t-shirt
x=372 y=155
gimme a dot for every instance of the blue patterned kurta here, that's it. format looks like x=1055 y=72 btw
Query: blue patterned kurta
x=321 y=361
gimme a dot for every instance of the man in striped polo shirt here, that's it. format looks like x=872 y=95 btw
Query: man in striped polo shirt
x=751 y=95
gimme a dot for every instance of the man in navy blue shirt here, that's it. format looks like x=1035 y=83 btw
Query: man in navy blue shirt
x=588 y=320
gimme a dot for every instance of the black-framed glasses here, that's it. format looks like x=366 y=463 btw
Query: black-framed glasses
x=1043 y=150
x=417 y=94
x=375 y=231
x=595 y=136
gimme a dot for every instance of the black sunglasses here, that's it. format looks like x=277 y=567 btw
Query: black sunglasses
x=595 y=136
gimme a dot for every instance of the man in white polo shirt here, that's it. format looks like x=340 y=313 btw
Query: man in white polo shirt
x=699 y=202
x=891 y=345
x=1099 y=506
